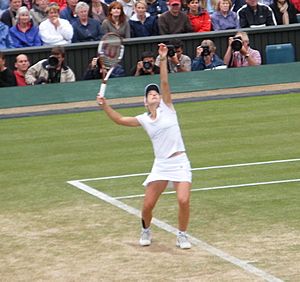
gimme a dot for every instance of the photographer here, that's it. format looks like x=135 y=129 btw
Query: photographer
x=239 y=53
x=96 y=70
x=146 y=65
x=177 y=61
x=51 y=70
x=206 y=57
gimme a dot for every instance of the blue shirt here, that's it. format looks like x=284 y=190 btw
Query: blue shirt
x=5 y=39
x=67 y=14
x=220 y=22
x=90 y=32
x=199 y=64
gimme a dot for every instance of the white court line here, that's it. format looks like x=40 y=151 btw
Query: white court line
x=193 y=169
x=217 y=187
x=203 y=245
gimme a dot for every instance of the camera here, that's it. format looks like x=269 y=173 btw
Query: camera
x=147 y=65
x=237 y=43
x=52 y=62
x=171 y=50
x=205 y=51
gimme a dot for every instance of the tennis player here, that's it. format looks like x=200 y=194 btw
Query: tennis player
x=171 y=163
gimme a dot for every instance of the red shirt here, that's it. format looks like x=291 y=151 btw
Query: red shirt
x=201 y=22
x=20 y=78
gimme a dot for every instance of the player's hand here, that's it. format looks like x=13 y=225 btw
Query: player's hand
x=101 y=101
x=162 y=50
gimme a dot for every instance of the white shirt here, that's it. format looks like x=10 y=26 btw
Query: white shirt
x=52 y=36
x=164 y=131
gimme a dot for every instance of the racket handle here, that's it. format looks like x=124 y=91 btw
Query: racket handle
x=102 y=90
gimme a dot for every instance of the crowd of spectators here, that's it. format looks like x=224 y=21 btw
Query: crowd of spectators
x=31 y=23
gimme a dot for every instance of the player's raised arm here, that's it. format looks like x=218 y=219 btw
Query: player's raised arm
x=114 y=115
x=164 y=80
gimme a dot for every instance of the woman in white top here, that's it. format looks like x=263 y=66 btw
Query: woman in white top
x=54 y=30
x=171 y=162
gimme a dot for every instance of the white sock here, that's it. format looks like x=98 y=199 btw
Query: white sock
x=181 y=233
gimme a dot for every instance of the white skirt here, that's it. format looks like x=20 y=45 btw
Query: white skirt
x=176 y=169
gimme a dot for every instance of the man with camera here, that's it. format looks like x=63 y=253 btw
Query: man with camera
x=51 y=70
x=146 y=65
x=206 y=57
x=177 y=61
x=239 y=53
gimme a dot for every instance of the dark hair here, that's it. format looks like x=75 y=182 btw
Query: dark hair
x=176 y=43
x=122 y=16
x=58 y=51
x=147 y=54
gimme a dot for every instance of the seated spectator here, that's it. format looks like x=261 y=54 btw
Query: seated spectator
x=141 y=23
x=4 y=4
x=51 y=70
x=177 y=61
x=254 y=14
x=206 y=57
x=98 y=10
x=69 y=13
x=96 y=70
x=5 y=39
x=21 y=66
x=210 y=6
x=53 y=30
x=61 y=3
x=174 y=21
x=284 y=11
x=85 y=28
x=38 y=12
x=28 y=4
x=128 y=7
x=116 y=21
x=7 y=77
x=146 y=66
x=224 y=18
x=199 y=17
x=9 y=16
x=24 y=34
x=296 y=4
x=239 y=53
x=156 y=7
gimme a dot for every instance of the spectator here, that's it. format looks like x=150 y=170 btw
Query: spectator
x=265 y=2
x=146 y=66
x=96 y=70
x=68 y=13
x=55 y=31
x=142 y=23
x=174 y=21
x=177 y=61
x=239 y=53
x=206 y=57
x=210 y=6
x=254 y=14
x=98 y=10
x=28 y=4
x=6 y=76
x=199 y=17
x=9 y=16
x=128 y=7
x=284 y=11
x=224 y=18
x=85 y=28
x=21 y=66
x=116 y=21
x=51 y=70
x=156 y=7
x=296 y=4
x=5 y=39
x=24 y=34
x=4 y=4
x=38 y=12
x=61 y=4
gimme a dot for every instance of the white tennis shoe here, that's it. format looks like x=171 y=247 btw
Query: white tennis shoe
x=182 y=241
x=145 y=239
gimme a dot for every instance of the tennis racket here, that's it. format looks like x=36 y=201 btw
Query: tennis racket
x=111 y=51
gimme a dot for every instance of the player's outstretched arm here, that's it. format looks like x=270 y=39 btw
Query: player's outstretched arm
x=164 y=80
x=114 y=115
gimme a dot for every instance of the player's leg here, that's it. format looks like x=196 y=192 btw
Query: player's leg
x=153 y=191
x=183 y=198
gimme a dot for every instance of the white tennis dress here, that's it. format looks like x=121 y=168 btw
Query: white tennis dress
x=166 y=139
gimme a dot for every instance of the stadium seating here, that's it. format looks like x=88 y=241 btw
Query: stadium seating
x=280 y=53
